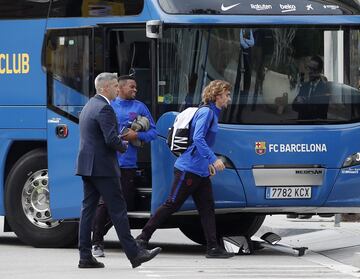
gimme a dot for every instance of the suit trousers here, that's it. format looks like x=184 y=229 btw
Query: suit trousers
x=187 y=184
x=109 y=188
x=102 y=221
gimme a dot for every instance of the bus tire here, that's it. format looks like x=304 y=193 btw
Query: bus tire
x=245 y=224
x=27 y=204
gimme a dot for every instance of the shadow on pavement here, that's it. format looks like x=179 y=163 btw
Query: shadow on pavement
x=11 y=240
x=167 y=247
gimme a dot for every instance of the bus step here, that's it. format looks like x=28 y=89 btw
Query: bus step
x=242 y=245
x=271 y=238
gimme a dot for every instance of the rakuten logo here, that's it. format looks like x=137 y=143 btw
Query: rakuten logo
x=262 y=7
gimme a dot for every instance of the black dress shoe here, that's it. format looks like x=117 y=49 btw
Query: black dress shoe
x=141 y=243
x=90 y=263
x=144 y=256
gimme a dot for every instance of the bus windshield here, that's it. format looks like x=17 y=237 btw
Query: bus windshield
x=279 y=75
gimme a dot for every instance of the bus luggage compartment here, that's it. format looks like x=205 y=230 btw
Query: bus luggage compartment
x=293 y=166
x=291 y=157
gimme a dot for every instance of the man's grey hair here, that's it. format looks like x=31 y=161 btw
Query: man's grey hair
x=102 y=79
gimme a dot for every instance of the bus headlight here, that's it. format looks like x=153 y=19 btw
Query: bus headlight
x=352 y=160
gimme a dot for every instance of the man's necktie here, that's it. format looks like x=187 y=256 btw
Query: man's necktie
x=311 y=89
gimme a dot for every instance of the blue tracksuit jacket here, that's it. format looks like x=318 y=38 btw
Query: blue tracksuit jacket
x=126 y=111
x=199 y=156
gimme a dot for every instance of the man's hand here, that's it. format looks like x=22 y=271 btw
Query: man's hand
x=130 y=135
x=300 y=100
x=124 y=145
x=219 y=165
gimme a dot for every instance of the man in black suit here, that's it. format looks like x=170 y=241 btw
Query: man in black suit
x=97 y=165
x=312 y=102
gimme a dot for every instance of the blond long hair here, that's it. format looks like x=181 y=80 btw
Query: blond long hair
x=213 y=89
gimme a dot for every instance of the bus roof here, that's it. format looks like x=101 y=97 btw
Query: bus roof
x=75 y=13
x=266 y=12
x=265 y=20
x=261 y=8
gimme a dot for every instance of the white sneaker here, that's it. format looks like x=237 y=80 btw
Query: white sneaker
x=98 y=251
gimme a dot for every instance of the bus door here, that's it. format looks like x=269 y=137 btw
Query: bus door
x=70 y=62
x=128 y=52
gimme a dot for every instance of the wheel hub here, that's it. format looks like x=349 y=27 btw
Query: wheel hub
x=35 y=200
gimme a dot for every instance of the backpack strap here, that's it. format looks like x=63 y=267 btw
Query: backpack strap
x=211 y=123
x=212 y=119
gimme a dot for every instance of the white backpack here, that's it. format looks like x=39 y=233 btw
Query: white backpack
x=178 y=138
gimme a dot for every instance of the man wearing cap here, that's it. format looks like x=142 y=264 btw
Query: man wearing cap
x=138 y=127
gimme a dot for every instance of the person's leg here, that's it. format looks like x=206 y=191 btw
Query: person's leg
x=128 y=187
x=110 y=189
x=89 y=203
x=180 y=191
x=204 y=201
x=247 y=79
x=128 y=190
x=101 y=220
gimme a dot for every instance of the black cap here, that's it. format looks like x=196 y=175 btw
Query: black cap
x=126 y=77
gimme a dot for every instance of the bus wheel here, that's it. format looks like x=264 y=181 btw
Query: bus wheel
x=226 y=225
x=27 y=204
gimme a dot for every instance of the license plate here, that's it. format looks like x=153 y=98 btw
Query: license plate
x=302 y=192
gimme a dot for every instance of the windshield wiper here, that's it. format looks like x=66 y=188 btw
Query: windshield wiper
x=204 y=11
x=316 y=120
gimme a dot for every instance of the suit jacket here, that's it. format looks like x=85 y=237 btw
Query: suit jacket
x=316 y=105
x=99 y=140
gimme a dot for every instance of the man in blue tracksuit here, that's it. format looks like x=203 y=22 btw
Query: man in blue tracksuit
x=192 y=171
x=127 y=110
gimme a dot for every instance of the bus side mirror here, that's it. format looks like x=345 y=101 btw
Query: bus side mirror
x=154 y=29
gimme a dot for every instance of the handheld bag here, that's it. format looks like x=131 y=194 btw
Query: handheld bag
x=178 y=138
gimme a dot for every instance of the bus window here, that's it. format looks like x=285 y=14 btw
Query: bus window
x=271 y=71
x=22 y=9
x=129 y=51
x=181 y=58
x=95 y=8
x=354 y=43
x=68 y=66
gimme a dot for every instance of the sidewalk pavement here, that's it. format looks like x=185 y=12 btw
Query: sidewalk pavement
x=320 y=235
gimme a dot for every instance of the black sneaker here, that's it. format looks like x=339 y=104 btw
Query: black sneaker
x=90 y=263
x=218 y=253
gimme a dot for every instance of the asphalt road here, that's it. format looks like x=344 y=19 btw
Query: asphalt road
x=181 y=258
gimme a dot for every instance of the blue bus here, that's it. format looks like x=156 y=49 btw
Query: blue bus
x=278 y=160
